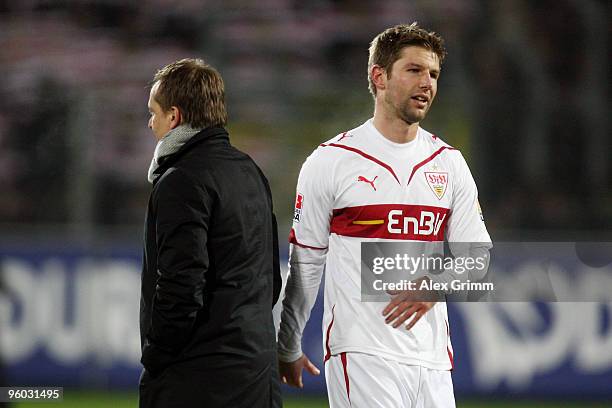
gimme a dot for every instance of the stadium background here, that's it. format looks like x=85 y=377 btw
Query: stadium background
x=524 y=94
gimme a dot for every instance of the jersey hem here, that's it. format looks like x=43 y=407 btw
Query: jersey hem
x=432 y=365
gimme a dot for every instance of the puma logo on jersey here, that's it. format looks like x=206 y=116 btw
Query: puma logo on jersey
x=365 y=180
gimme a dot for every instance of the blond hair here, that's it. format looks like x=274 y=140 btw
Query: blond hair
x=196 y=89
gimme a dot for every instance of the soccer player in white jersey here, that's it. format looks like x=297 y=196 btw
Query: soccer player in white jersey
x=386 y=180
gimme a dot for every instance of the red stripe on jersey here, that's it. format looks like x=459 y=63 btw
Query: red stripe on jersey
x=345 y=134
x=427 y=160
x=329 y=327
x=293 y=240
x=365 y=155
x=346 y=378
x=391 y=221
x=450 y=354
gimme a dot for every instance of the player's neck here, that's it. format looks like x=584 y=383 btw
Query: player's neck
x=395 y=129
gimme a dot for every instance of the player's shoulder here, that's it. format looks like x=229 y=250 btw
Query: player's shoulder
x=348 y=138
x=336 y=148
x=434 y=141
x=437 y=145
x=449 y=154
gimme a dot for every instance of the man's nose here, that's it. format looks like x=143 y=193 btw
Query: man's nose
x=150 y=123
x=426 y=81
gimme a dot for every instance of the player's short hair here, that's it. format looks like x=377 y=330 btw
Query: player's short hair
x=387 y=46
x=196 y=89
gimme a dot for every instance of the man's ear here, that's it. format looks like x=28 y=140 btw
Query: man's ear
x=175 y=117
x=379 y=77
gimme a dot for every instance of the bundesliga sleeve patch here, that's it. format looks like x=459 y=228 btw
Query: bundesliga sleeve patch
x=297 y=213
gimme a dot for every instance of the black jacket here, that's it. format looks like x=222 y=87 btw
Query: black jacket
x=210 y=277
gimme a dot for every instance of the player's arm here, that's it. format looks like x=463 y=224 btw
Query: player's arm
x=182 y=213
x=305 y=270
x=466 y=234
x=309 y=239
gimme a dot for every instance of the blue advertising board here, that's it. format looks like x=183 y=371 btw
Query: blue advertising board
x=69 y=317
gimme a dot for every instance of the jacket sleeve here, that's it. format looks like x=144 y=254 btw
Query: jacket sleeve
x=182 y=215
x=277 y=280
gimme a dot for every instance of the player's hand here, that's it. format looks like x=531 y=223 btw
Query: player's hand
x=405 y=304
x=291 y=373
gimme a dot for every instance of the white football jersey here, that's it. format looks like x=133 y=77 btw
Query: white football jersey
x=361 y=187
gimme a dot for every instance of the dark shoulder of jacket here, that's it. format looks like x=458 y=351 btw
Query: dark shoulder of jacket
x=263 y=177
x=240 y=154
x=176 y=180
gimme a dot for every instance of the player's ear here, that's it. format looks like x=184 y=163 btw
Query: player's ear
x=175 y=117
x=378 y=75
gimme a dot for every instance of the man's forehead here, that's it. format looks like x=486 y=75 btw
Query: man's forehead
x=152 y=93
x=154 y=88
x=419 y=55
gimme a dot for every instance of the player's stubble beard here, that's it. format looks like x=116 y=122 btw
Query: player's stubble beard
x=406 y=113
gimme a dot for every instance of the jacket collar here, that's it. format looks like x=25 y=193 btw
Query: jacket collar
x=211 y=134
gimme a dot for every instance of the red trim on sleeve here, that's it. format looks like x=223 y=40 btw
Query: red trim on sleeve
x=329 y=327
x=365 y=155
x=450 y=354
x=293 y=240
x=427 y=160
x=450 y=357
x=346 y=377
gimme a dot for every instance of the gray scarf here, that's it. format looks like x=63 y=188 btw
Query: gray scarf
x=170 y=144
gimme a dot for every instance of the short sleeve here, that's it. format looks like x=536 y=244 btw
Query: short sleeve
x=466 y=223
x=313 y=203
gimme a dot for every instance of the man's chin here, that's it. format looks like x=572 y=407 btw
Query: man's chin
x=412 y=117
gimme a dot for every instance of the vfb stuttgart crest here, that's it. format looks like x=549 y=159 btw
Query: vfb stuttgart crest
x=437 y=181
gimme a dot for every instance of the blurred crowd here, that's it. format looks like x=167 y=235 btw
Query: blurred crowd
x=524 y=93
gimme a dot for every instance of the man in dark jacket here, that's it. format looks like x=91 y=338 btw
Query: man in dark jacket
x=210 y=269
